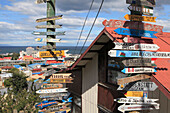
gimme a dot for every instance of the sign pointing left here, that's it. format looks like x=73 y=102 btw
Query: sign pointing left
x=48 y=33
x=138 y=70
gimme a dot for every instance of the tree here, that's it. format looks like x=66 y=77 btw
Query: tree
x=17 y=82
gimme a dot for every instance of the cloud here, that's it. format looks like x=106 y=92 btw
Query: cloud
x=165 y=24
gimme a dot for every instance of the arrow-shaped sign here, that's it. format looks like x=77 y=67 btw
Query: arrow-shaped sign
x=138 y=54
x=132 y=25
x=132 y=79
x=140 y=18
x=141 y=10
x=47 y=26
x=135 y=100
x=41 y=1
x=46 y=47
x=47 y=40
x=132 y=46
x=49 y=72
x=138 y=70
x=52 y=90
x=134 y=32
x=49 y=18
x=138 y=86
x=124 y=108
x=48 y=33
x=137 y=40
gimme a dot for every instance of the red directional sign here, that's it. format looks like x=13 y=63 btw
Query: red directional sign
x=137 y=40
x=133 y=25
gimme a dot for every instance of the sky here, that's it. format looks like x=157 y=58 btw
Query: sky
x=18 y=19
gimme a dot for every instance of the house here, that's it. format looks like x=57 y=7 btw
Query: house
x=95 y=84
x=5 y=69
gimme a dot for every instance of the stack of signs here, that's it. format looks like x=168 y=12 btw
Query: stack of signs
x=136 y=56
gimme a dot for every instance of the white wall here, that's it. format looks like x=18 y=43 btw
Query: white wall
x=90 y=86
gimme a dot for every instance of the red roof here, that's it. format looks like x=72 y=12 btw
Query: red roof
x=1 y=59
x=38 y=69
x=7 y=58
x=37 y=58
x=7 y=67
x=162 y=77
x=28 y=56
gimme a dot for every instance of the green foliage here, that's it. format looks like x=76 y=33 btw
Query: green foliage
x=18 y=97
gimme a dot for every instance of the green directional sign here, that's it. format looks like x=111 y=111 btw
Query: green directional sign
x=48 y=33
x=145 y=10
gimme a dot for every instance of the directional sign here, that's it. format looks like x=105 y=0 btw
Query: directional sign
x=61 y=75
x=150 y=3
x=44 y=104
x=132 y=79
x=50 y=95
x=138 y=62
x=47 y=40
x=139 y=86
x=132 y=25
x=66 y=80
x=46 y=47
x=141 y=9
x=49 y=18
x=52 y=90
x=47 y=54
x=53 y=98
x=135 y=100
x=134 y=94
x=124 y=108
x=140 y=18
x=143 y=54
x=47 y=26
x=138 y=70
x=49 y=72
x=41 y=1
x=134 y=32
x=137 y=40
x=51 y=86
x=48 y=33
x=138 y=46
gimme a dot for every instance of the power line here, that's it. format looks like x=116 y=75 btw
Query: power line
x=92 y=25
x=84 y=25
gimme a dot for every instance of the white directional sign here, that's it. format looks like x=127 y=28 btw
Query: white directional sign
x=52 y=90
x=135 y=100
x=46 y=40
x=124 y=108
x=138 y=70
x=138 y=86
x=132 y=46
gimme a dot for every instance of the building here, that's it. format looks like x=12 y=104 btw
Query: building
x=5 y=69
x=95 y=84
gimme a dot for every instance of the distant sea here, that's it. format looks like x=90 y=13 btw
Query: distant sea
x=17 y=49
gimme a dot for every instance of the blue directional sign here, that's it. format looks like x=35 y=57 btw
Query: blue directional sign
x=134 y=32
x=138 y=54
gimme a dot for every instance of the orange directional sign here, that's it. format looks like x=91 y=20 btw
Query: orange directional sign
x=140 y=18
x=134 y=94
x=45 y=54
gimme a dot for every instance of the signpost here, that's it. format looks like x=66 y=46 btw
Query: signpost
x=138 y=54
x=41 y=1
x=132 y=79
x=49 y=72
x=135 y=100
x=134 y=32
x=140 y=18
x=48 y=47
x=132 y=25
x=133 y=46
x=47 y=54
x=51 y=86
x=138 y=70
x=150 y=3
x=47 y=40
x=138 y=62
x=124 y=108
x=139 y=86
x=60 y=75
x=47 y=26
x=49 y=18
x=48 y=33
x=51 y=90
x=65 y=80
x=141 y=10
x=137 y=40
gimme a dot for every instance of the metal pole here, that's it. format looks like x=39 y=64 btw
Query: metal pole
x=51 y=13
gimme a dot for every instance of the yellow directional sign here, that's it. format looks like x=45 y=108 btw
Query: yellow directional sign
x=46 y=54
x=140 y=18
x=134 y=94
